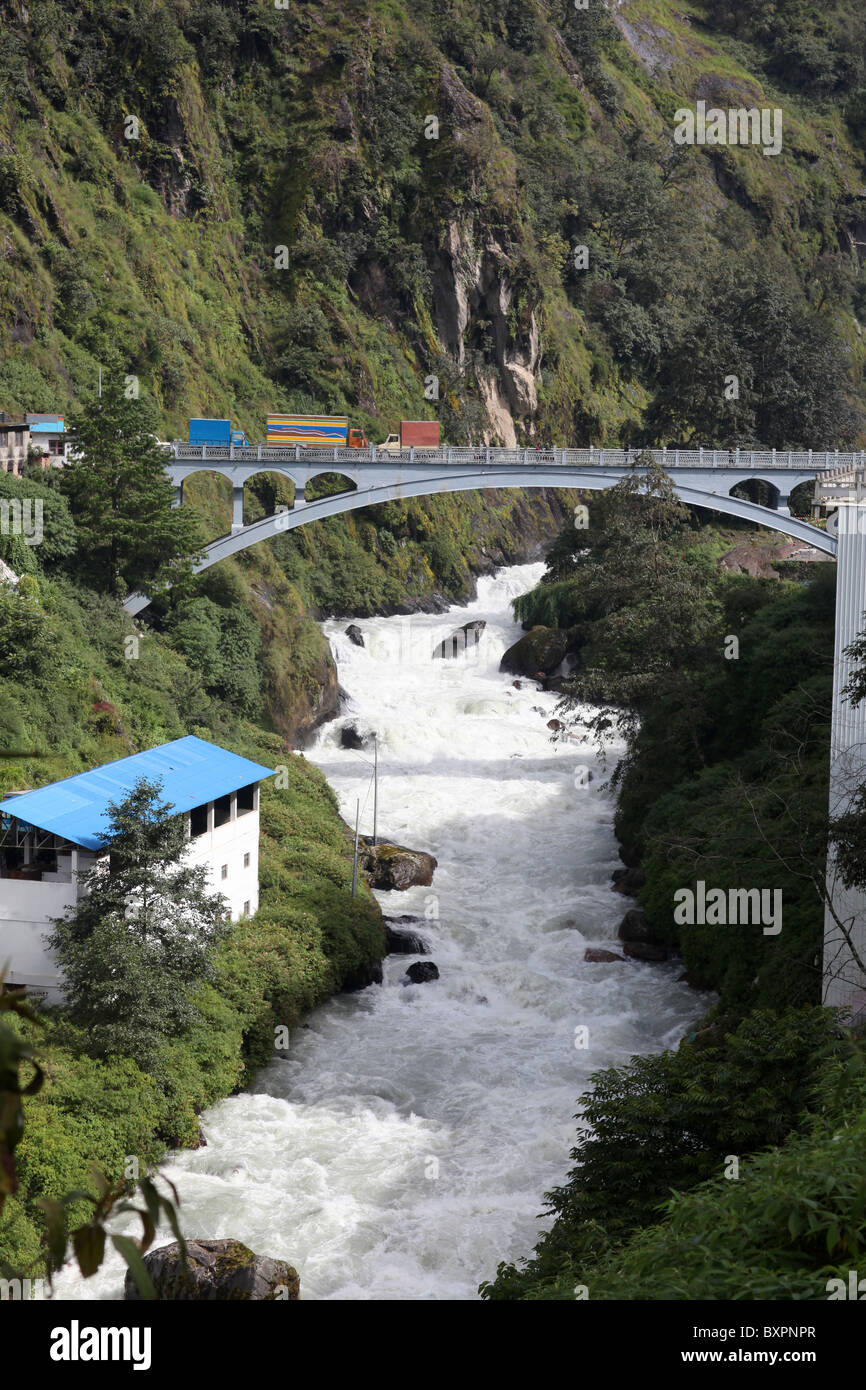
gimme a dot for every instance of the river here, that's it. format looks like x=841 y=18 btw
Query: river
x=402 y=1149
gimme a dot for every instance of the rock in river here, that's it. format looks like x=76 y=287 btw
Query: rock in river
x=635 y=926
x=218 y=1269
x=403 y=942
x=394 y=867
x=354 y=634
x=469 y=635
x=420 y=971
x=595 y=954
x=628 y=881
x=537 y=654
x=645 y=950
x=351 y=737
x=362 y=977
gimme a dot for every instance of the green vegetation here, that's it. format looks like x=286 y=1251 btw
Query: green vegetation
x=153 y=157
x=780 y=1225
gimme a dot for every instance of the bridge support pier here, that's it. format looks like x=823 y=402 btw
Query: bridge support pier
x=845 y=912
x=237 y=508
x=178 y=496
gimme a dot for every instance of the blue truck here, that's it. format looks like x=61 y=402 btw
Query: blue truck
x=217 y=432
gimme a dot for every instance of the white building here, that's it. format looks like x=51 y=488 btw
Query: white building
x=47 y=435
x=50 y=835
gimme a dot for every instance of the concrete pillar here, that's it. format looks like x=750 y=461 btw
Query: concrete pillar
x=237 y=508
x=844 y=981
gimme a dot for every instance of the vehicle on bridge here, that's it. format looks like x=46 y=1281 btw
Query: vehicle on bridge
x=420 y=435
x=215 y=432
x=313 y=432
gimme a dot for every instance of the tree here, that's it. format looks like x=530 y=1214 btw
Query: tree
x=647 y=607
x=130 y=535
x=142 y=935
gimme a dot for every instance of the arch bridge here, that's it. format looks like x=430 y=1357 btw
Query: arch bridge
x=703 y=477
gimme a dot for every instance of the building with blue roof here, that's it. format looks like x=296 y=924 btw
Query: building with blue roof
x=51 y=835
x=48 y=436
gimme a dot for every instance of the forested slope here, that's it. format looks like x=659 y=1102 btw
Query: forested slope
x=415 y=249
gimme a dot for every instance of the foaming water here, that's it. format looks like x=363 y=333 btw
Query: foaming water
x=402 y=1149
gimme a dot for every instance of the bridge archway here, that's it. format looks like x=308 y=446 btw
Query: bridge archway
x=212 y=492
x=265 y=491
x=758 y=490
x=329 y=483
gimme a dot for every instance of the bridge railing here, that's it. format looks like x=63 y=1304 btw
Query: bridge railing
x=760 y=460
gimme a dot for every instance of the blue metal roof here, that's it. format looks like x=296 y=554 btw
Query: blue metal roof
x=190 y=771
x=46 y=424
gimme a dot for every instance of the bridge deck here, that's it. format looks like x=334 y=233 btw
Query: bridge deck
x=803 y=460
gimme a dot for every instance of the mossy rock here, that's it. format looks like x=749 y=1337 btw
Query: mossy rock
x=395 y=868
x=218 y=1270
x=541 y=650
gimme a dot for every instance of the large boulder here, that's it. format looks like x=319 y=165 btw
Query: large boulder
x=354 y=634
x=469 y=635
x=218 y=1270
x=537 y=654
x=421 y=971
x=395 y=868
x=351 y=737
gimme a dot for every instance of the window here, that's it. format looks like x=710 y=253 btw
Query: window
x=222 y=810
x=247 y=908
x=246 y=861
x=224 y=871
x=198 y=821
x=246 y=799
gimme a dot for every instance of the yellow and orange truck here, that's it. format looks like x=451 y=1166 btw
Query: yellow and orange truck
x=313 y=432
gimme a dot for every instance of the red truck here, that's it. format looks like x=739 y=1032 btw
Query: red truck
x=420 y=435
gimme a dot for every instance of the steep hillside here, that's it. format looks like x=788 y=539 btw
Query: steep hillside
x=476 y=210
x=429 y=172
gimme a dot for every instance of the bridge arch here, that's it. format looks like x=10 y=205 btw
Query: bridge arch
x=457 y=480
x=760 y=490
x=325 y=483
x=272 y=488
x=223 y=486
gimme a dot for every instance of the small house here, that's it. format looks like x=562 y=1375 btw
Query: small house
x=47 y=436
x=51 y=835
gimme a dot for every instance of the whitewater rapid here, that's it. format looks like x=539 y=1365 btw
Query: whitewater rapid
x=402 y=1149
